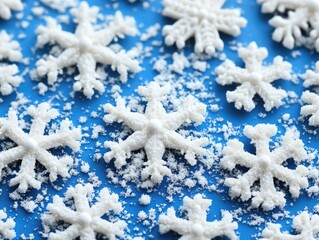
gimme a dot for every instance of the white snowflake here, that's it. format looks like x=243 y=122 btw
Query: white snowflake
x=296 y=22
x=35 y=145
x=196 y=225
x=9 y=50
x=84 y=221
x=6 y=227
x=311 y=77
x=7 y=5
x=254 y=78
x=87 y=47
x=155 y=131
x=306 y=225
x=265 y=166
x=203 y=19
x=60 y=5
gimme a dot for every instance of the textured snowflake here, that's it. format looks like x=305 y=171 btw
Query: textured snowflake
x=305 y=224
x=311 y=77
x=84 y=221
x=203 y=19
x=254 y=78
x=265 y=166
x=196 y=225
x=59 y=5
x=35 y=145
x=296 y=22
x=6 y=6
x=155 y=131
x=9 y=50
x=85 y=48
x=6 y=227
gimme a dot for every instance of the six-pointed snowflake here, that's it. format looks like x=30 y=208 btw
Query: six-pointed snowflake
x=254 y=78
x=265 y=166
x=9 y=50
x=306 y=225
x=87 y=47
x=6 y=227
x=155 y=131
x=7 y=5
x=35 y=145
x=196 y=225
x=85 y=221
x=296 y=22
x=203 y=19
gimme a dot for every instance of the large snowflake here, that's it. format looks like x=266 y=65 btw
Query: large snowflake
x=203 y=19
x=6 y=6
x=84 y=221
x=265 y=166
x=254 y=78
x=306 y=225
x=155 y=131
x=9 y=50
x=6 y=227
x=296 y=22
x=196 y=225
x=85 y=48
x=35 y=145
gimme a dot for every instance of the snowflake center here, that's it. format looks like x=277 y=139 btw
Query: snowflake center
x=198 y=229
x=154 y=126
x=30 y=143
x=255 y=77
x=85 y=44
x=85 y=219
x=265 y=161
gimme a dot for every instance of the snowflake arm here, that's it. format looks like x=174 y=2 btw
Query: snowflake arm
x=6 y=227
x=311 y=77
x=155 y=130
x=59 y=5
x=202 y=19
x=295 y=21
x=312 y=109
x=8 y=80
x=196 y=225
x=34 y=146
x=264 y=166
x=306 y=225
x=6 y=6
x=9 y=49
x=86 y=48
x=85 y=221
x=254 y=78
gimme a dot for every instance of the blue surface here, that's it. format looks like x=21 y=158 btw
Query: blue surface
x=257 y=30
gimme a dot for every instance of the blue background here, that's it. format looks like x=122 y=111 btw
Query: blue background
x=257 y=30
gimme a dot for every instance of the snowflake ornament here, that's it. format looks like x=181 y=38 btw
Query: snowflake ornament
x=6 y=227
x=87 y=47
x=254 y=78
x=35 y=145
x=155 y=130
x=9 y=50
x=265 y=166
x=305 y=224
x=85 y=220
x=6 y=6
x=196 y=225
x=203 y=19
x=296 y=22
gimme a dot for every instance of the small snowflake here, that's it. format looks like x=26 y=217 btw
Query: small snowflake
x=254 y=78
x=305 y=224
x=6 y=227
x=87 y=47
x=85 y=221
x=35 y=145
x=7 y=5
x=59 y=5
x=265 y=166
x=296 y=22
x=196 y=225
x=203 y=19
x=9 y=50
x=155 y=131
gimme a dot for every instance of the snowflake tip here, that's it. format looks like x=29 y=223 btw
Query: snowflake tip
x=6 y=227
x=8 y=80
x=7 y=6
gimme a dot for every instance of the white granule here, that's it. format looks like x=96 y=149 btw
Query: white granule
x=145 y=199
